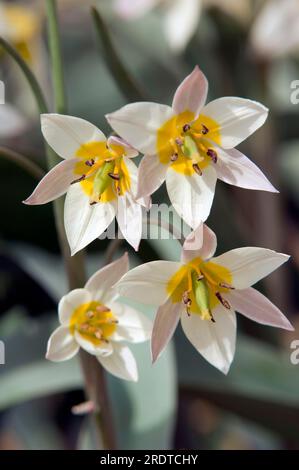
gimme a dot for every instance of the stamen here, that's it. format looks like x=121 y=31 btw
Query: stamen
x=102 y=309
x=179 y=141
x=90 y=314
x=212 y=318
x=224 y=302
x=186 y=299
x=226 y=286
x=98 y=333
x=200 y=277
x=79 y=179
x=204 y=130
x=90 y=162
x=92 y=203
x=114 y=176
x=197 y=169
x=186 y=128
x=174 y=157
x=213 y=155
x=84 y=326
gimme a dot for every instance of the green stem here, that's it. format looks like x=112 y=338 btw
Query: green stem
x=56 y=57
x=32 y=81
x=119 y=72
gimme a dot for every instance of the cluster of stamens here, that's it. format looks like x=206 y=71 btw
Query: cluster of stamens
x=178 y=145
x=95 y=321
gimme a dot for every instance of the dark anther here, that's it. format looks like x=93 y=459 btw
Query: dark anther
x=226 y=286
x=114 y=176
x=186 y=127
x=197 y=169
x=200 y=277
x=90 y=162
x=93 y=203
x=213 y=155
x=174 y=157
x=79 y=179
x=186 y=299
x=179 y=141
x=204 y=130
x=212 y=318
x=224 y=302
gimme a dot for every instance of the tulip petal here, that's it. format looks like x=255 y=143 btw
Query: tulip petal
x=130 y=152
x=166 y=321
x=133 y=326
x=84 y=223
x=138 y=123
x=250 y=264
x=192 y=93
x=192 y=196
x=235 y=168
x=151 y=174
x=54 y=184
x=61 y=345
x=105 y=349
x=121 y=363
x=181 y=22
x=133 y=9
x=66 y=134
x=70 y=302
x=129 y=218
x=258 y=308
x=214 y=341
x=237 y=119
x=193 y=241
x=148 y=283
x=207 y=250
x=100 y=284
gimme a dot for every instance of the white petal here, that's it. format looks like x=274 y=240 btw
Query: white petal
x=250 y=264
x=138 y=123
x=238 y=118
x=83 y=222
x=132 y=326
x=151 y=174
x=148 y=283
x=192 y=93
x=105 y=349
x=133 y=9
x=121 y=363
x=66 y=134
x=193 y=241
x=130 y=152
x=129 y=218
x=70 y=302
x=166 y=321
x=214 y=341
x=100 y=284
x=61 y=345
x=235 y=168
x=257 y=307
x=209 y=245
x=181 y=22
x=54 y=184
x=192 y=196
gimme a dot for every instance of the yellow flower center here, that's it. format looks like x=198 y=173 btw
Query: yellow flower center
x=185 y=143
x=94 y=321
x=102 y=172
x=200 y=285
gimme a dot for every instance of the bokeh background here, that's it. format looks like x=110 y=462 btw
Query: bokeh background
x=182 y=402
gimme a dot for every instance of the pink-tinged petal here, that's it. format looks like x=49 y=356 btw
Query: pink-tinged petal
x=138 y=123
x=181 y=22
x=216 y=341
x=132 y=326
x=148 y=283
x=166 y=321
x=54 y=184
x=235 y=168
x=130 y=152
x=133 y=9
x=61 y=345
x=192 y=196
x=129 y=218
x=236 y=118
x=101 y=283
x=70 y=302
x=66 y=134
x=258 y=308
x=83 y=222
x=121 y=363
x=207 y=250
x=250 y=264
x=104 y=349
x=191 y=95
x=193 y=241
x=151 y=174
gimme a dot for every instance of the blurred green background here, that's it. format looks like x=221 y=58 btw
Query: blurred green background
x=182 y=402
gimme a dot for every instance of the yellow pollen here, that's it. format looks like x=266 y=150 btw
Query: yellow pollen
x=94 y=322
